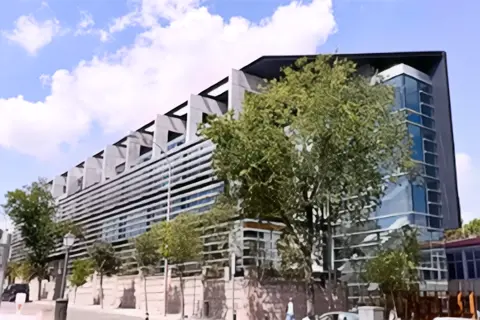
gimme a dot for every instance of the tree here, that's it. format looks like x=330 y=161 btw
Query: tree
x=471 y=229
x=104 y=261
x=32 y=210
x=26 y=271
x=12 y=271
x=315 y=148
x=81 y=270
x=395 y=269
x=179 y=242
x=147 y=256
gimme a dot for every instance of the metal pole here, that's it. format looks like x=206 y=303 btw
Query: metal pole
x=64 y=275
x=165 y=277
x=232 y=272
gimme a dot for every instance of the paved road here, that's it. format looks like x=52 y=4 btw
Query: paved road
x=73 y=314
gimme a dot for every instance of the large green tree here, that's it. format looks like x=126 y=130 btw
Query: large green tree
x=316 y=147
x=32 y=210
x=104 y=261
x=179 y=242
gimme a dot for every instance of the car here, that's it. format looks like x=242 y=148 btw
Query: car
x=339 y=315
x=11 y=291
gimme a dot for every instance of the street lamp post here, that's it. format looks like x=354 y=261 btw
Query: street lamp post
x=169 y=182
x=68 y=241
x=61 y=304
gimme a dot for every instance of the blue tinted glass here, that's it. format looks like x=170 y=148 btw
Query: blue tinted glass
x=430 y=146
x=397 y=83
x=435 y=222
x=459 y=269
x=426 y=110
x=419 y=197
x=434 y=209
x=412 y=100
x=427 y=122
x=430 y=158
x=424 y=87
x=419 y=220
x=417 y=146
x=414 y=117
x=451 y=271
x=425 y=98
x=396 y=198
x=433 y=196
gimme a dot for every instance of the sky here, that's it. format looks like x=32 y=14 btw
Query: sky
x=76 y=75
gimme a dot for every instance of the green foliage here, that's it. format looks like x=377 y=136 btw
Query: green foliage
x=25 y=271
x=12 y=270
x=81 y=270
x=32 y=210
x=68 y=226
x=179 y=240
x=147 y=255
x=104 y=260
x=322 y=137
x=469 y=230
x=395 y=269
x=314 y=149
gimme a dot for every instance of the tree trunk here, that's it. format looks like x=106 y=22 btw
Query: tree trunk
x=75 y=295
x=101 y=290
x=39 y=288
x=145 y=292
x=182 y=298
x=309 y=287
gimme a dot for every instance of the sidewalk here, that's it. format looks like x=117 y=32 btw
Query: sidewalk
x=137 y=313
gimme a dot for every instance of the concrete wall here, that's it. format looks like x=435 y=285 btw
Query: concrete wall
x=253 y=299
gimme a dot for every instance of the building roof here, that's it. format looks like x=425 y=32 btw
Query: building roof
x=469 y=242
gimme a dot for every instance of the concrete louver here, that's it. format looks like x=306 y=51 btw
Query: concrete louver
x=92 y=172
x=59 y=184
x=112 y=157
x=198 y=107
x=74 y=180
x=164 y=125
x=135 y=142
x=238 y=83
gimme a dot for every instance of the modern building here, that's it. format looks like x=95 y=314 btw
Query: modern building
x=163 y=168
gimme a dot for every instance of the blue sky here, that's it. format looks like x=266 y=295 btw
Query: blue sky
x=78 y=74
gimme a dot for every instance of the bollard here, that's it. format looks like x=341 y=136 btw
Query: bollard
x=61 y=306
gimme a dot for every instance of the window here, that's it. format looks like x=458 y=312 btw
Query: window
x=419 y=198
x=455 y=266
x=412 y=99
x=417 y=146
x=470 y=259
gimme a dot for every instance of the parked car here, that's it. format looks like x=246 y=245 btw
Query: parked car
x=339 y=315
x=11 y=291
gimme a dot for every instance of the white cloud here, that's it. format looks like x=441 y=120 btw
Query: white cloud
x=191 y=50
x=468 y=176
x=32 y=35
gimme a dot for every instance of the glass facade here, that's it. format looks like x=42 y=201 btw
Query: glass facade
x=405 y=202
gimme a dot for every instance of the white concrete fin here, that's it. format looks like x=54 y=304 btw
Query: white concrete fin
x=199 y=106
x=163 y=125
x=112 y=157
x=238 y=83
x=92 y=172
x=134 y=143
